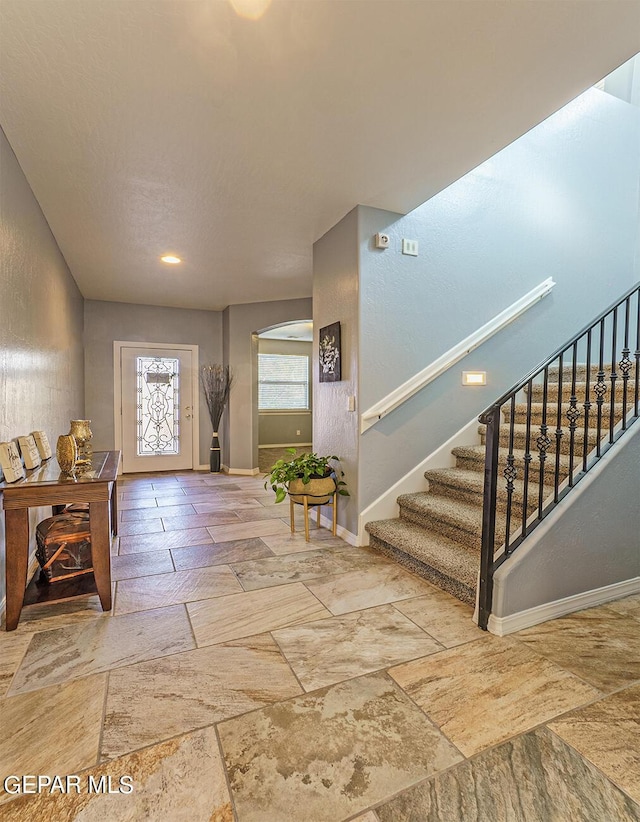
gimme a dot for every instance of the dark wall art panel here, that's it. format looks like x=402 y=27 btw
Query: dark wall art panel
x=330 y=353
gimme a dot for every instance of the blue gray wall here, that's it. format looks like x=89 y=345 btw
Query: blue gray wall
x=590 y=541
x=335 y=298
x=106 y=322
x=41 y=358
x=561 y=202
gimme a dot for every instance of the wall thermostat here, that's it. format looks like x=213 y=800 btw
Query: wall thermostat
x=381 y=240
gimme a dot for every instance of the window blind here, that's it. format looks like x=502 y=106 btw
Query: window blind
x=283 y=382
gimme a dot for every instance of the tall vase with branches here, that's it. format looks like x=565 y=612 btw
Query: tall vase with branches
x=216 y=381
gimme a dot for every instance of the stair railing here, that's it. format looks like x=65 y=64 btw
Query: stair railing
x=569 y=434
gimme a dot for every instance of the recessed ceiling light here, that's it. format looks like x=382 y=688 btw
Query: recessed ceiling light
x=250 y=9
x=169 y=258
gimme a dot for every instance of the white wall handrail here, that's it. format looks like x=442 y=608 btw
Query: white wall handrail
x=452 y=356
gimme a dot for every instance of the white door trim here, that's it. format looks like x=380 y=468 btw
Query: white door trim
x=118 y=345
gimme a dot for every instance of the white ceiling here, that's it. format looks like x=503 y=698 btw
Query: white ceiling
x=154 y=126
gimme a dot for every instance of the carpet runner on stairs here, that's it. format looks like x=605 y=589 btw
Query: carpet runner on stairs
x=438 y=533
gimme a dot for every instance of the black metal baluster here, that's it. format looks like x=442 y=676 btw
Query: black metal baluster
x=573 y=414
x=587 y=403
x=600 y=389
x=614 y=376
x=527 y=461
x=543 y=442
x=510 y=473
x=559 y=432
x=636 y=403
x=625 y=363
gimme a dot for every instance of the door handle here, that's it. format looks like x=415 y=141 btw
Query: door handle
x=188 y=414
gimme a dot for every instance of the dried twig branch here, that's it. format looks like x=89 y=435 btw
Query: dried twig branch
x=216 y=381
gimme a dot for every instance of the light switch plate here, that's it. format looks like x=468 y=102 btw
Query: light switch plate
x=410 y=247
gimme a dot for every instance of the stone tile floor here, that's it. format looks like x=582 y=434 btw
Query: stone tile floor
x=248 y=675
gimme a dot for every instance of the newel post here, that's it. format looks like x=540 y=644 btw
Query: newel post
x=491 y=419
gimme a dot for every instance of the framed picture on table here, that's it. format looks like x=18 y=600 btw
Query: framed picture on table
x=29 y=451
x=42 y=442
x=10 y=462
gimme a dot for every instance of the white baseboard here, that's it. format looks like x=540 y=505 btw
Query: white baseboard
x=501 y=626
x=240 y=472
x=287 y=445
x=341 y=531
x=224 y=469
x=386 y=506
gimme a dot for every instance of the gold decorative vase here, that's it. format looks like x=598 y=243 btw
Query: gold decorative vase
x=81 y=432
x=66 y=453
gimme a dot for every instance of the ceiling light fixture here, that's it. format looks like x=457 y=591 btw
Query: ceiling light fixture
x=169 y=258
x=250 y=9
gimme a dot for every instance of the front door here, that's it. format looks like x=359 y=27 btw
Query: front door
x=157 y=409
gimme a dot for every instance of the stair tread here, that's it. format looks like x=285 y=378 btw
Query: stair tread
x=460 y=477
x=477 y=454
x=521 y=409
x=458 y=483
x=473 y=480
x=535 y=406
x=581 y=386
x=443 y=554
x=472 y=452
x=581 y=370
x=520 y=428
x=463 y=515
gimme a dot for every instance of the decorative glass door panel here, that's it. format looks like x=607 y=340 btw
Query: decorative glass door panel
x=157 y=406
x=156 y=409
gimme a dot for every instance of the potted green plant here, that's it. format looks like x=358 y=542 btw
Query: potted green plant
x=307 y=475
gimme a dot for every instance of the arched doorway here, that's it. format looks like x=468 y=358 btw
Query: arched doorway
x=284 y=395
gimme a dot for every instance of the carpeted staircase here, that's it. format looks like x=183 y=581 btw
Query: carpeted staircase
x=438 y=533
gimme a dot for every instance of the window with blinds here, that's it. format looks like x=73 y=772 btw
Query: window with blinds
x=283 y=382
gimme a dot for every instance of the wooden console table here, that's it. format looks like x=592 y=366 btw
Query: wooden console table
x=46 y=486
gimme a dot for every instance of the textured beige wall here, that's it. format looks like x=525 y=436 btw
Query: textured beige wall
x=41 y=316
